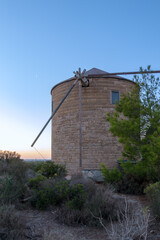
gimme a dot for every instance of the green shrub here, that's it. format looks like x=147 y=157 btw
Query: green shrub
x=153 y=194
x=142 y=171
x=36 y=166
x=42 y=199
x=12 y=180
x=61 y=191
x=56 y=192
x=11 y=190
x=130 y=185
x=73 y=196
x=152 y=189
x=14 y=167
x=76 y=197
x=35 y=182
x=110 y=176
x=136 y=177
x=50 y=170
x=131 y=178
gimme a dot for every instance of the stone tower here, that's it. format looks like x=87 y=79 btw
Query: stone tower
x=97 y=143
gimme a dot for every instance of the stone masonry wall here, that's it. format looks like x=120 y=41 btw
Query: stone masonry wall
x=98 y=144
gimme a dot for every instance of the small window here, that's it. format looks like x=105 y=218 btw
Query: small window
x=115 y=97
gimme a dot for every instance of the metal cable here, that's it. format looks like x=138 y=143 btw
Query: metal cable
x=40 y=154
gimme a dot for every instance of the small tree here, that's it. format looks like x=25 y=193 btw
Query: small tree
x=136 y=120
x=6 y=155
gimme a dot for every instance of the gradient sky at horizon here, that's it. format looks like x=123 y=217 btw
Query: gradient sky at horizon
x=43 y=41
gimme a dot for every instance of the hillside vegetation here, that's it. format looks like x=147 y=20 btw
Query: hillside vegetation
x=43 y=186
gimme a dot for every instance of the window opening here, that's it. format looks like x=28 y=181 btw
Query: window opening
x=115 y=97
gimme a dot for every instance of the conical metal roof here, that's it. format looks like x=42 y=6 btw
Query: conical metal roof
x=95 y=71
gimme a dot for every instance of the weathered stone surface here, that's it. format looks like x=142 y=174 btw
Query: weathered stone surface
x=95 y=175
x=98 y=144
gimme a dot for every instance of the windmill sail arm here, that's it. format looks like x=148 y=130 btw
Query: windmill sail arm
x=54 y=112
x=81 y=76
x=121 y=73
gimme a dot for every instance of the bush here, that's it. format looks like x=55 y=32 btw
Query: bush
x=70 y=216
x=55 y=192
x=153 y=194
x=17 y=168
x=14 y=167
x=110 y=176
x=11 y=164
x=42 y=199
x=152 y=189
x=61 y=191
x=11 y=226
x=136 y=177
x=131 y=178
x=142 y=171
x=50 y=170
x=51 y=193
x=13 y=179
x=11 y=190
x=76 y=197
x=130 y=185
x=132 y=224
x=98 y=202
x=35 y=182
x=105 y=203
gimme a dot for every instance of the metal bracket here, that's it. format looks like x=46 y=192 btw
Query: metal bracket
x=81 y=77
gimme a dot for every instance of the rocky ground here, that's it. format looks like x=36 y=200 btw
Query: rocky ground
x=42 y=225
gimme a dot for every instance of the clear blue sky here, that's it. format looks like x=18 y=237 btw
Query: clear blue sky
x=43 y=41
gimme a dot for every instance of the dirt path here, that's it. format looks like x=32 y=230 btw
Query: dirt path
x=42 y=225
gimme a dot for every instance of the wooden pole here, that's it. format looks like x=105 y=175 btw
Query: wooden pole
x=55 y=111
x=122 y=73
x=80 y=124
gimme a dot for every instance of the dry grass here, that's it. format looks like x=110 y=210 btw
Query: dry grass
x=132 y=224
x=11 y=226
x=57 y=235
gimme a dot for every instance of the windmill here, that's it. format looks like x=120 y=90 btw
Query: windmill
x=83 y=79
